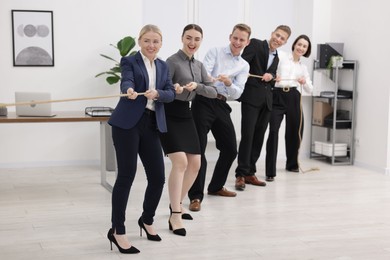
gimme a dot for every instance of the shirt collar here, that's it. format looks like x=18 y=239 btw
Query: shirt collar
x=145 y=59
x=274 y=52
x=228 y=51
x=291 y=58
x=184 y=56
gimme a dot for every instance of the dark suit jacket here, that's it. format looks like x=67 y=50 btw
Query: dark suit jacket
x=256 y=91
x=134 y=75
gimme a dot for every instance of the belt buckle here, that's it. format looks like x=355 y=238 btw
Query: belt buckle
x=286 y=89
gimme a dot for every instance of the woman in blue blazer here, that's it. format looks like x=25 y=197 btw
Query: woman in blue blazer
x=136 y=123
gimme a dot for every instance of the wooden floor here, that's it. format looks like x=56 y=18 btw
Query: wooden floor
x=339 y=212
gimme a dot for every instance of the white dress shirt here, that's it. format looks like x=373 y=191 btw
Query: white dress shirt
x=151 y=69
x=221 y=61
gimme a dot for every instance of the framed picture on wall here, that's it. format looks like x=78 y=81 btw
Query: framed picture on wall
x=32 y=36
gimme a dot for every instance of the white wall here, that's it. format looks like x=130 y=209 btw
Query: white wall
x=83 y=29
x=363 y=28
x=388 y=137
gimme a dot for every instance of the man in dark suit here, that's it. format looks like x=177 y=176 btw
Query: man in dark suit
x=256 y=102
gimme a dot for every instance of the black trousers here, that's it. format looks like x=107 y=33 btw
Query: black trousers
x=142 y=140
x=285 y=104
x=213 y=114
x=254 y=122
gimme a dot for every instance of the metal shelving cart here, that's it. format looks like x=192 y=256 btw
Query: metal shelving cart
x=333 y=135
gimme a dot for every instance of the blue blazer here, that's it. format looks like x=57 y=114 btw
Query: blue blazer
x=134 y=75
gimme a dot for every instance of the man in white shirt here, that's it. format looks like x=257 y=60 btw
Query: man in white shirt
x=230 y=72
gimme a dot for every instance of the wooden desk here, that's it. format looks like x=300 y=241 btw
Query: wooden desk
x=63 y=116
x=71 y=116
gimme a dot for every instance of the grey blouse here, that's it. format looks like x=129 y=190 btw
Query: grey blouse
x=184 y=70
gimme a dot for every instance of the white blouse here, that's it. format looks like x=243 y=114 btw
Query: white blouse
x=289 y=71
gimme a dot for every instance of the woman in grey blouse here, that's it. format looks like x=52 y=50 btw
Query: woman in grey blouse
x=181 y=142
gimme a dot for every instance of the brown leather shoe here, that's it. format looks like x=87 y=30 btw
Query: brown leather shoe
x=254 y=181
x=240 y=183
x=195 y=205
x=223 y=192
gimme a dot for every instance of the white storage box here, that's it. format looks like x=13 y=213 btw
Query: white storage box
x=325 y=148
x=318 y=147
x=340 y=149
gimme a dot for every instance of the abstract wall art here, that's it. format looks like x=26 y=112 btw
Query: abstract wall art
x=32 y=35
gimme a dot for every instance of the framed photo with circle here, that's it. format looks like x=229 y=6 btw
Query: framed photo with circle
x=32 y=36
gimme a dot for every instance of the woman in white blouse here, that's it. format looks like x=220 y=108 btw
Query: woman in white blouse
x=292 y=78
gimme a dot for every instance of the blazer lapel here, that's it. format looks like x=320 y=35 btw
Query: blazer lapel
x=266 y=55
x=141 y=64
x=158 y=72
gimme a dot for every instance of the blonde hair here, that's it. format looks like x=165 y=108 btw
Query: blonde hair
x=150 y=28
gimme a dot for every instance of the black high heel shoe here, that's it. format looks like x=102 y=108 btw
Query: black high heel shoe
x=179 y=231
x=131 y=250
x=184 y=215
x=149 y=236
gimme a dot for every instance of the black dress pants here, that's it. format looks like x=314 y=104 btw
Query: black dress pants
x=285 y=104
x=254 y=122
x=213 y=114
x=142 y=140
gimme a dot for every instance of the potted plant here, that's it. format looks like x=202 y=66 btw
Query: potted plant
x=335 y=61
x=124 y=46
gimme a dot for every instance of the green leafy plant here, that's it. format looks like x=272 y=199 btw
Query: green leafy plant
x=124 y=46
x=335 y=61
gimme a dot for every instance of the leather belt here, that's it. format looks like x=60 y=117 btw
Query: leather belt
x=221 y=97
x=285 y=88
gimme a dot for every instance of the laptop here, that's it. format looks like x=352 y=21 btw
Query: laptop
x=41 y=110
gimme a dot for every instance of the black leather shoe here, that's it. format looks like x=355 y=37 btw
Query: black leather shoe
x=269 y=178
x=293 y=170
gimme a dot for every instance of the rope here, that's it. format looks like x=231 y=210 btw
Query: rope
x=260 y=77
x=300 y=136
x=33 y=102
